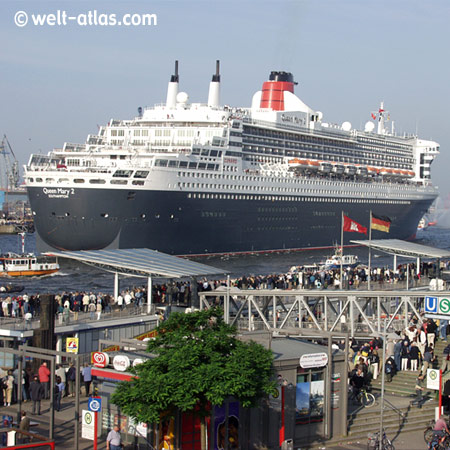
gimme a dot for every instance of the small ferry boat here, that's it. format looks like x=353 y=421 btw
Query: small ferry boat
x=335 y=261
x=30 y=265
x=27 y=265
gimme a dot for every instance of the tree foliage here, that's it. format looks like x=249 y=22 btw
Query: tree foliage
x=197 y=362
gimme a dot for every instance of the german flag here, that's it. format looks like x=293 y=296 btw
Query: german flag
x=381 y=223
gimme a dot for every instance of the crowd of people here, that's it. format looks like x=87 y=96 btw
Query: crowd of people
x=36 y=387
x=414 y=350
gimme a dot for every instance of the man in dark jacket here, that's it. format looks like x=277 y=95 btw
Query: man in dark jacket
x=37 y=393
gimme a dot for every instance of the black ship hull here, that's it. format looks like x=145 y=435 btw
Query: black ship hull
x=177 y=223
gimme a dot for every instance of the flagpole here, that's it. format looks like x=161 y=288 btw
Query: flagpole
x=370 y=253
x=342 y=243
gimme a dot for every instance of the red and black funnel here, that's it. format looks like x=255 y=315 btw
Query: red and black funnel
x=273 y=90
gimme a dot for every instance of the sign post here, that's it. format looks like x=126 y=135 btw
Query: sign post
x=95 y=406
x=434 y=381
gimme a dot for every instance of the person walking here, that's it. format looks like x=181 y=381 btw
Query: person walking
x=37 y=394
x=24 y=426
x=405 y=355
x=419 y=390
x=87 y=378
x=70 y=376
x=44 y=378
x=59 y=391
x=113 y=440
x=445 y=359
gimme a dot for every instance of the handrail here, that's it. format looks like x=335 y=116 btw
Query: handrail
x=394 y=408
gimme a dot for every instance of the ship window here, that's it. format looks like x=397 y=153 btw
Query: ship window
x=204 y=152
x=183 y=164
x=63 y=180
x=210 y=166
x=141 y=174
x=39 y=180
x=192 y=165
x=213 y=153
x=97 y=181
x=196 y=151
x=49 y=180
x=138 y=183
x=173 y=163
x=78 y=180
x=30 y=180
x=122 y=173
x=161 y=163
x=113 y=156
x=119 y=181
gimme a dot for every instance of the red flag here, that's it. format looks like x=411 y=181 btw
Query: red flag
x=374 y=116
x=351 y=225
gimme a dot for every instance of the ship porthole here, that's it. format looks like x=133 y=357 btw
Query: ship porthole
x=105 y=215
x=142 y=216
x=67 y=214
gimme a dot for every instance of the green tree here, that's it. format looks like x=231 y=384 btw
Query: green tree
x=197 y=361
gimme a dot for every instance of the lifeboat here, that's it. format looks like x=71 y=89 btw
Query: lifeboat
x=325 y=167
x=372 y=170
x=411 y=173
x=338 y=169
x=298 y=164
x=362 y=171
x=314 y=165
x=350 y=170
x=386 y=172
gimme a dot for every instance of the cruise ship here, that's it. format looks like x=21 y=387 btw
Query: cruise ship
x=191 y=178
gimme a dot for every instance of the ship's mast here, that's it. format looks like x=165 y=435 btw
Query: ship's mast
x=382 y=115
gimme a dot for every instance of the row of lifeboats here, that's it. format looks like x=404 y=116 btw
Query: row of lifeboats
x=347 y=169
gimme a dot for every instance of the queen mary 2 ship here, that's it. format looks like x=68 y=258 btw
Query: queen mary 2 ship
x=193 y=178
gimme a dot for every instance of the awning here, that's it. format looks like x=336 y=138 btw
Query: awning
x=405 y=248
x=140 y=262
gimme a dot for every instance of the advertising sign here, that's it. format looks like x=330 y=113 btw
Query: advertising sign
x=71 y=345
x=100 y=359
x=313 y=360
x=121 y=363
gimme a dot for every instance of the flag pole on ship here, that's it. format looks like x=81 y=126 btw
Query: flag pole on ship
x=342 y=244
x=370 y=251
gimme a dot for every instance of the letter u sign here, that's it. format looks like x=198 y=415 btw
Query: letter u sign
x=431 y=304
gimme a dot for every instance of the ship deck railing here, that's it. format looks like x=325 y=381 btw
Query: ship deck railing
x=20 y=324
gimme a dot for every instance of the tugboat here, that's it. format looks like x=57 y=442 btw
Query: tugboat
x=27 y=265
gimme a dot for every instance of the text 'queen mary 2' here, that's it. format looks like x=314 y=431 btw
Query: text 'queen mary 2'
x=192 y=178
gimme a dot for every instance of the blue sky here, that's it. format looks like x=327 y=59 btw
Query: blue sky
x=58 y=83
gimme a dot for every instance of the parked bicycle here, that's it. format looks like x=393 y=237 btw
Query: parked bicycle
x=374 y=443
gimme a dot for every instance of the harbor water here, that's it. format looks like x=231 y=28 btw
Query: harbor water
x=75 y=276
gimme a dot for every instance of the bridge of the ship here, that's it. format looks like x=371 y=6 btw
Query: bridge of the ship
x=140 y=262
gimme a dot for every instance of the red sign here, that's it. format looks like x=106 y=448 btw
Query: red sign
x=100 y=359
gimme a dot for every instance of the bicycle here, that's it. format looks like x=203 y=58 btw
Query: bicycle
x=429 y=432
x=373 y=442
x=436 y=444
x=365 y=398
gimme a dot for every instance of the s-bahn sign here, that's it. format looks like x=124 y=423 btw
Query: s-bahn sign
x=437 y=305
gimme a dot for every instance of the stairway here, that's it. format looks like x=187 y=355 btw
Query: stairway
x=403 y=383
x=365 y=421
